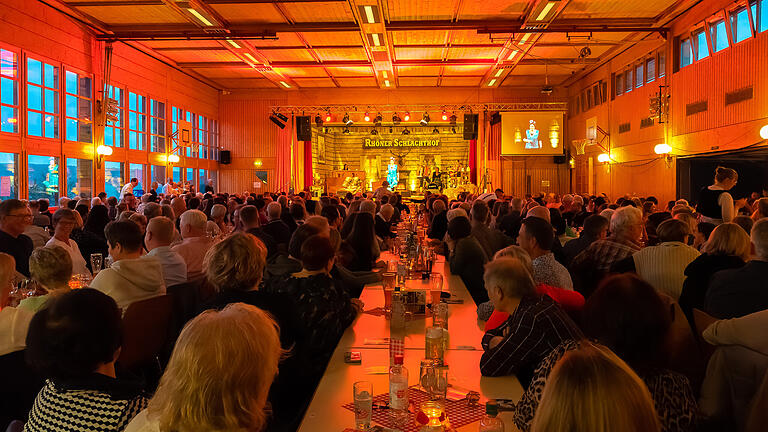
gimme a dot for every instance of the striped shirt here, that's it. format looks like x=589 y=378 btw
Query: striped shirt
x=537 y=326
x=663 y=266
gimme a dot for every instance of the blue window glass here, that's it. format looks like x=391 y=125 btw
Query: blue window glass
x=702 y=48
x=686 y=55
x=79 y=177
x=177 y=174
x=34 y=71
x=190 y=176
x=9 y=94
x=34 y=97
x=35 y=123
x=8 y=179
x=43 y=178
x=113 y=132
x=71 y=85
x=51 y=74
x=719 y=35
x=740 y=25
x=202 y=175
x=113 y=178
x=137 y=121
x=157 y=174
x=137 y=171
x=762 y=14
x=78 y=108
x=42 y=99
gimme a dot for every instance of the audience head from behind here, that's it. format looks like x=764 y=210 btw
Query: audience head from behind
x=480 y=212
x=368 y=206
x=456 y=212
x=302 y=233
x=438 y=206
x=745 y=222
x=386 y=212
x=726 y=177
x=236 y=263
x=507 y=281
x=124 y=240
x=759 y=237
x=193 y=224
x=320 y=223
x=179 y=206
x=331 y=214
x=673 y=230
x=540 y=212
x=459 y=228
x=729 y=239
x=152 y=210
x=595 y=227
x=762 y=208
x=51 y=267
x=627 y=224
x=160 y=232
x=15 y=217
x=201 y=391
x=592 y=389
x=274 y=211
x=536 y=236
x=518 y=253
x=317 y=254
x=140 y=220
x=249 y=217
x=76 y=335
x=702 y=234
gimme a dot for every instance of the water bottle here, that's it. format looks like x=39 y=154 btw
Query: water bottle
x=491 y=422
x=397 y=322
x=398 y=393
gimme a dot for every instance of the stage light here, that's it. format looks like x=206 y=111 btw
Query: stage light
x=318 y=120
x=435 y=131
x=445 y=116
x=374 y=132
x=406 y=131
x=200 y=17
x=346 y=130
x=275 y=120
x=453 y=119
x=603 y=158
x=346 y=120
x=424 y=119
x=328 y=117
x=367 y=117
x=281 y=117
x=378 y=119
x=764 y=132
x=395 y=119
x=660 y=149
x=407 y=117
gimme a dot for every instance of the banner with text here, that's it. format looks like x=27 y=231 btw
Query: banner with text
x=400 y=142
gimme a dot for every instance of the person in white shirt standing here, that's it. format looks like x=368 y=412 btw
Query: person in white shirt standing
x=129 y=187
x=160 y=234
x=64 y=222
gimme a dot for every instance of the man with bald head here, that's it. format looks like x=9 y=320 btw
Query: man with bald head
x=383 y=222
x=160 y=234
x=196 y=242
x=179 y=206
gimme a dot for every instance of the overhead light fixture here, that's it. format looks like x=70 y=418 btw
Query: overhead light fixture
x=281 y=116
x=764 y=132
x=367 y=117
x=173 y=158
x=544 y=12
x=233 y=43
x=661 y=149
x=200 y=17
x=386 y=83
x=346 y=130
x=424 y=119
x=435 y=131
x=277 y=121
x=525 y=38
x=285 y=84
x=406 y=131
x=603 y=158
x=374 y=131
x=445 y=116
x=250 y=57
x=396 y=119
x=510 y=57
x=376 y=39
x=328 y=117
x=346 y=120
x=492 y=82
x=378 y=119
x=453 y=119
x=384 y=74
x=499 y=72
x=318 y=120
x=369 y=16
x=407 y=117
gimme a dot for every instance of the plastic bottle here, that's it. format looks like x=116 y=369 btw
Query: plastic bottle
x=398 y=393
x=491 y=422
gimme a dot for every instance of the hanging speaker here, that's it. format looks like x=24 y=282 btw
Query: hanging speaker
x=559 y=159
x=470 y=126
x=303 y=129
x=225 y=157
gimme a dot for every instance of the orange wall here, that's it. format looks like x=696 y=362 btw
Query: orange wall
x=638 y=170
x=32 y=28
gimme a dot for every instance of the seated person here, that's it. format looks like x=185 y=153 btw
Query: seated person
x=76 y=352
x=491 y=240
x=195 y=243
x=579 y=386
x=158 y=239
x=383 y=222
x=595 y=228
x=51 y=269
x=199 y=392
x=13 y=321
x=536 y=237
x=742 y=291
x=131 y=277
x=466 y=258
x=536 y=324
x=250 y=222
x=64 y=221
x=439 y=224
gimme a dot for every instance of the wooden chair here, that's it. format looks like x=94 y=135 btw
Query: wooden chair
x=146 y=327
x=186 y=302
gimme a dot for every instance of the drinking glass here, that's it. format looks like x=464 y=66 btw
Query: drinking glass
x=440 y=316
x=363 y=397
x=435 y=286
x=433 y=344
x=434 y=412
x=97 y=260
x=441 y=382
x=389 y=279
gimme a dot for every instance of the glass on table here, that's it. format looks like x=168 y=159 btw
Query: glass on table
x=432 y=415
x=363 y=399
x=435 y=287
x=389 y=279
x=434 y=348
x=97 y=260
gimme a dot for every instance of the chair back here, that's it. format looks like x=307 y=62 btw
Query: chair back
x=146 y=326
x=19 y=388
x=186 y=302
x=702 y=320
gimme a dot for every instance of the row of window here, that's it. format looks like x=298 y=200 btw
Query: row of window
x=644 y=71
x=714 y=36
x=44 y=171
x=146 y=117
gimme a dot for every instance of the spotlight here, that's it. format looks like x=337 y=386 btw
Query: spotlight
x=281 y=117
x=346 y=130
x=378 y=119
x=346 y=120
x=275 y=120
x=407 y=117
x=328 y=117
x=435 y=131
x=406 y=131
x=424 y=120
x=453 y=119
x=445 y=116
x=318 y=120
x=374 y=131
x=367 y=117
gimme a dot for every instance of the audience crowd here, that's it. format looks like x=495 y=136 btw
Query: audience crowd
x=625 y=314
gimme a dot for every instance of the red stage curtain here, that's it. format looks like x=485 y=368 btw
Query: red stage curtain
x=283 y=166
x=308 y=175
x=473 y=161
x=494 y=157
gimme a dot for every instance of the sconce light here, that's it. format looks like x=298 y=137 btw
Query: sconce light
x=603 y=158
x=257 y=163
x=173 y=158
x=764 y=132
x=102 y=151
x=661 y=149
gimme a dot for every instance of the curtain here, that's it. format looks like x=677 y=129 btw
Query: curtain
x=308 y=174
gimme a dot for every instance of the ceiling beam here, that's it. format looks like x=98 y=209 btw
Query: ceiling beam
x=402 y=62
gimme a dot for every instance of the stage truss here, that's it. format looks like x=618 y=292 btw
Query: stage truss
x=470 y=108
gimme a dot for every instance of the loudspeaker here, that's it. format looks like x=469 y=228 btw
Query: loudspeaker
x=225 y=157
x=495 y=118
x=303 y=129
x=559 y=159
x=470 y=126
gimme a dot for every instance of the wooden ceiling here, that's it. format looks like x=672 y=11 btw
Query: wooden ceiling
x=290 y=44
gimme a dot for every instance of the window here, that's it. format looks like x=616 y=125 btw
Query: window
x=190 y=176
x=157 y=174
x=740 y=25
x=702 y=47
x=79 y=177
x=628 y=81
x=42 y=99
x=762 y=15
x=9 y=92
x=639 y=77
x=176 y=174
x=662 y=64
x=137 y=171
x=190 y=117
x=8 y=180
x=718 y=35
x=213 y=152
x=619 y=85
x=177 y=114
x=686 y=55
x=113 y=131
x=78 y=107
x=650 y=70
x=202 y=136
x=157 y=125
x=113 y=178
x=213 y=175
x=203 y=176
x=43 y=177
x=137 y=121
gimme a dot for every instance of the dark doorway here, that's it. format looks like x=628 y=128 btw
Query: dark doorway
x=694 y=173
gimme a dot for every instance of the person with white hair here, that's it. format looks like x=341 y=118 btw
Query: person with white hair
x=96 y=201
x=158 y=238
x=217 y=225
x=195 y=244
x=275 y=227
x=737 y=292
x=591 y=265
x=368 y=206
x=383 y=222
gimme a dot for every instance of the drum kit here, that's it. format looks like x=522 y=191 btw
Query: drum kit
x=451 y=179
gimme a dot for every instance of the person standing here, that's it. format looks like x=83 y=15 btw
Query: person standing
x=128 y=188
x=716 y=204
x=15 y=216
x=209 y=186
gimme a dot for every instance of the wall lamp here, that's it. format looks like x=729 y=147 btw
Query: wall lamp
x=604 y=158
x=764 y=132
x=662 y=149
x=102 y=151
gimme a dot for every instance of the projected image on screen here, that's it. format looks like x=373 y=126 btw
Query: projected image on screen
x=531 y=133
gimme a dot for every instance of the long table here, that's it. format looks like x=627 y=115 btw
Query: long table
x=326 y=412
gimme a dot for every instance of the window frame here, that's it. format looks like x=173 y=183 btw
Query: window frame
x=203 y=123
x=65 y=93
x=640 y=66
x=629 y=80
x=712 y=26
x=213 y=146
x=682 y=42
x=17 y=81
x=162 y=132
x=190 y=150
x=121 y=113
x=58 y=96
x=143 y=134
x=650 y=65
x=733 y=17
x=695 y=41
x=761 y=12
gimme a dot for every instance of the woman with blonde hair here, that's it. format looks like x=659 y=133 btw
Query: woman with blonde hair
x=592 y=390
x=51 y=268
x=219 y=375
x=728 y=247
